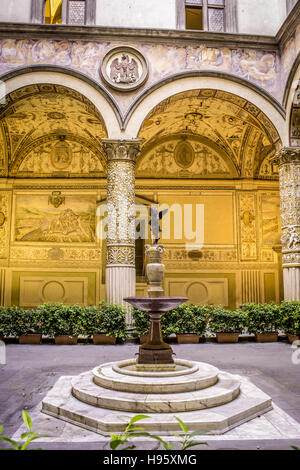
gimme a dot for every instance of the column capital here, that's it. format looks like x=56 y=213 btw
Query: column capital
x=287 y=155
x=121 y=150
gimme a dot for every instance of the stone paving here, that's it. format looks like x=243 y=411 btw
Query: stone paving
x=31 y=371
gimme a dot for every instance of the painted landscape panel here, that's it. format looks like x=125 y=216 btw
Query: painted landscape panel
x=37 y=220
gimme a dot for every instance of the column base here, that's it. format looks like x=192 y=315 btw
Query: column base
x=120 y=283
x=291 y=279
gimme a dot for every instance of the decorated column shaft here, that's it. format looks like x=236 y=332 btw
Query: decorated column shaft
x=120 y=239
x=288 y=160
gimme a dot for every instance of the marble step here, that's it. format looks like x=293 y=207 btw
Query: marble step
x=225 y=390
x=201 y=376
x=250 y=403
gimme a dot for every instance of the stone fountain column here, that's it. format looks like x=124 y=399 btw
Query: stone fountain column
x=120 y=241
x=288 y=160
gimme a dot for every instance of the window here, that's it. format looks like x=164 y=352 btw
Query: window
x=207 y=15
x=76 y=12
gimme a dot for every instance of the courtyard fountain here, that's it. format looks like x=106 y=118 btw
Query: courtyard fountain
x=105 y=399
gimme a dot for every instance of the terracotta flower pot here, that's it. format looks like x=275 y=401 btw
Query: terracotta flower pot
x=65 y=339
x=266 y=337
x=293 y=338
x=144 y=338
x=227 y=337
x=188 y=338
x=34 y=338
x=103 y=339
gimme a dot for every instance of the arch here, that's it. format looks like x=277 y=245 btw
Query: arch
x=292 y=76
x=290 y=92
x=204 y=80
x=102 y=100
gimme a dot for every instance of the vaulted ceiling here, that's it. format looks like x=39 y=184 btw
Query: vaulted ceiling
x=35 y=118
x=226 y=125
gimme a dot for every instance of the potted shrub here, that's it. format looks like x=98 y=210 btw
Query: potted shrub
x=188 y=322
x=227 y=325
x=24 y=325
x=290 y=314
x=141 y=324
x=263 y=320
x=4 y=323
x=61 y=322
x=105 y=324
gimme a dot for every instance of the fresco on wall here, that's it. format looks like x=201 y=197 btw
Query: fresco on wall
x=38 y=220
x=257 y=66
x=270 y=219
x=182 y=159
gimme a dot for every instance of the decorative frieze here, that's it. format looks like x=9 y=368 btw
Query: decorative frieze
x=4 y=224
x=248 y=230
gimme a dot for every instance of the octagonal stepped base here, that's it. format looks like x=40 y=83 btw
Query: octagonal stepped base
x=215 y=409
x=250 y=403
x=189 y=377
x=226 y=390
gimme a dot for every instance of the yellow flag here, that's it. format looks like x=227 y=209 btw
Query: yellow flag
x=53 y=11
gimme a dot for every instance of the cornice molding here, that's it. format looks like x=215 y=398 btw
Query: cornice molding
x=291 y=21
x=27 y=30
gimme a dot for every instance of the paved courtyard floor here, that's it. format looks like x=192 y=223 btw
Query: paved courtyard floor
x=31 y=371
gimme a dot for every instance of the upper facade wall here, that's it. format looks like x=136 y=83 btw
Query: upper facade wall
x=15 y=11
x=260 y=16
x=263 y=17
x=137 y=13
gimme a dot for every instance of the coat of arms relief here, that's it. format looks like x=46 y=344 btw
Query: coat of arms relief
x=124 y=68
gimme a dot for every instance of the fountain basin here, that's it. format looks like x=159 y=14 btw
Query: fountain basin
x=155 y=304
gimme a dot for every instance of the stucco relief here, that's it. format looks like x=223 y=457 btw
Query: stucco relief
x=248 y=245
x=51 y=158
x=56 y=254
x=205 y=255
x=163 y=161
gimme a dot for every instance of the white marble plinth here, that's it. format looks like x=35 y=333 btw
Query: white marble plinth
x=214 y=408
x=189 y=379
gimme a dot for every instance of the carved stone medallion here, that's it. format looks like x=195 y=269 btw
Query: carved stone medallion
x=184 y=154
x=124 y=68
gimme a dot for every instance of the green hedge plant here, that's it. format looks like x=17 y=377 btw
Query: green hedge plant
x=186 y=319
x=108 y=319
x=262 y=318
x=226 y=321
x=57 y=319
x=141 y=322
x=5 y=322
x=290 y=314
x=22 y=321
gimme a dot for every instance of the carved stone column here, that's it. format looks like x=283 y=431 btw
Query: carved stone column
x=288 y=160
x=120 y=240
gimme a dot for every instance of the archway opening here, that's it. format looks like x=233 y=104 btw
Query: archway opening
x=51 y=158
x=208 y=152
x=295 y=119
